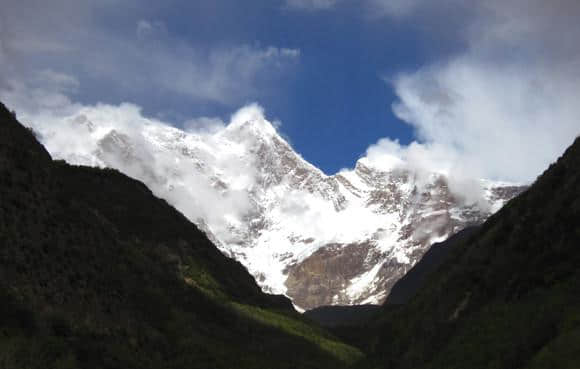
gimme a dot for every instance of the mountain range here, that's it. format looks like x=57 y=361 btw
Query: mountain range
x=97 y=272
x=320 y=239
x=503 y=295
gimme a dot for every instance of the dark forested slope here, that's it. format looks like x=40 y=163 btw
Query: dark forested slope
x=410 y=283
x=508 y=296
x=96 y=272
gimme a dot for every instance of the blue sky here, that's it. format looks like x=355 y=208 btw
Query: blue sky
x=438 y=83
x=333 y=103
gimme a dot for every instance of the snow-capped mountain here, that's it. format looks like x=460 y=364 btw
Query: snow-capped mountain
x=319 y=239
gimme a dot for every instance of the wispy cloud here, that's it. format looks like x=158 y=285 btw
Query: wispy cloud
x=223 y=74
x=311 y=4
x=133 y=55
x=504 y=107
x=394 y=8
x=148 y=28
x=117 y=136
x=373 y=8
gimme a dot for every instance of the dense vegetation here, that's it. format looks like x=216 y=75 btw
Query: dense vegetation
x=342 y=316
x=413 y=281
x=95 y=272
x=508 y=296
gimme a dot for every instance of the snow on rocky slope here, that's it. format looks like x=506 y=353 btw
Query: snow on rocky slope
x=340 y=239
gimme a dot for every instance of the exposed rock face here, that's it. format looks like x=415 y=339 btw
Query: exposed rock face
x=340 y=239
x=359 y=273
x=321 y=278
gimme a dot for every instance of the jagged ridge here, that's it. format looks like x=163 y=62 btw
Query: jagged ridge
x=508 y=294
x=340 y=239
x=96 y=272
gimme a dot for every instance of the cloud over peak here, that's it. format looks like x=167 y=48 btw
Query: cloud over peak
x=505 y=106
x=130 y=54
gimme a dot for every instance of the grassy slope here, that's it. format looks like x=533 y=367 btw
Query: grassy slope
x=95 y=272
x=509 y=297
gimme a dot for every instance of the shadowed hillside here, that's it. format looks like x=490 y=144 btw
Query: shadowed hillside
x=508 y=295
x=342 y=316
x=95 y=272
x=410 y=283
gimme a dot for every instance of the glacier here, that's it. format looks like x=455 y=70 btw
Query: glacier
x=320 y=239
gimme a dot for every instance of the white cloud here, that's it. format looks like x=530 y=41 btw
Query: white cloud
x=508 y=122
x=425 y=159
x=311 y=4
x=146 y=28
x=57 y=81
x=393 y=8
x=142 y=61
x=117 y=136
x=45 y=91
x=506 y=106
x=224 y=75
x=373 y=8
x=207 y=125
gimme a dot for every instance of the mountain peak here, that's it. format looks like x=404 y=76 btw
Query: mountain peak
x=385 y=163
x=277 y=213
x=258 y=126
x=251 y=119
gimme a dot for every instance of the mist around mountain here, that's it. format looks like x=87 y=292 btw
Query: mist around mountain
x=506 y=296
x=320 y=239
x=97 y=272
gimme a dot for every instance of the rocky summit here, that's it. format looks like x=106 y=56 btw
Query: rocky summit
x=320 y=239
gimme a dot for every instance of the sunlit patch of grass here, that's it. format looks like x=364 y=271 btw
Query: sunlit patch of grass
x=314 y=335
x=197 y=277
x=201 y=279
